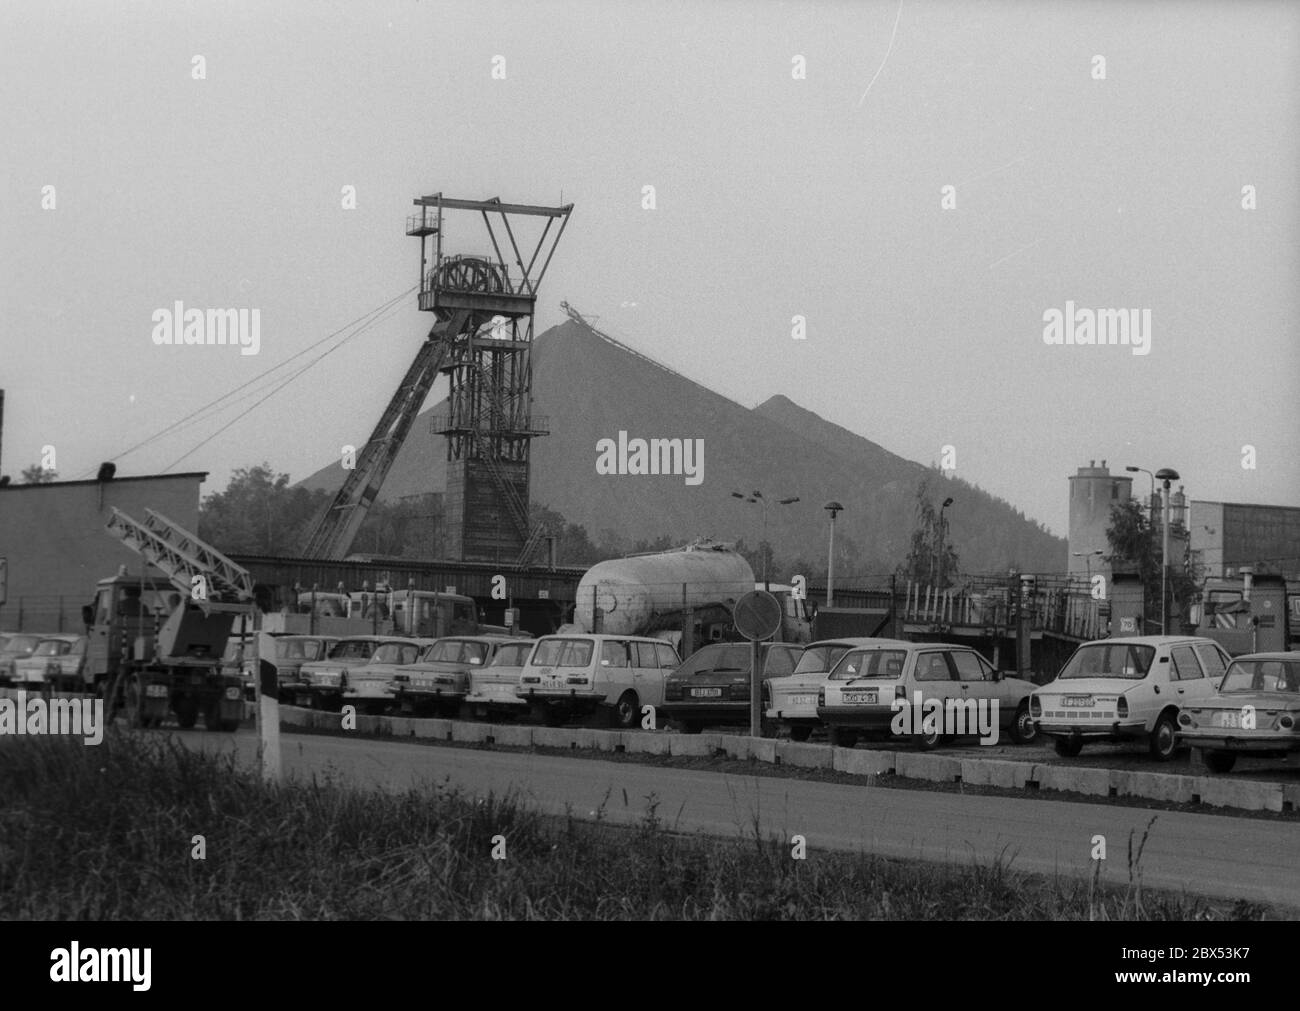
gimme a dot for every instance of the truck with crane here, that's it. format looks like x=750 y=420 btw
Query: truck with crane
x=156 y=639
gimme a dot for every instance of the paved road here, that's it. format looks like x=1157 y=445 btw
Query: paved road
x=1253 y=859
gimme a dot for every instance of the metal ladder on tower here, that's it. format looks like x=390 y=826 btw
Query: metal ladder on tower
x=181 y=556
x=334 y=531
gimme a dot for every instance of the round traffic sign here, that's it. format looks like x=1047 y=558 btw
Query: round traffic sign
x=757 y=615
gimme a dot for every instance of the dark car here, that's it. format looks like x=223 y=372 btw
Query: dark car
x=712 y=686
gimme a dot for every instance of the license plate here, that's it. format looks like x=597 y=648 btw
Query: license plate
x=706 y=693
x=156 y=691
x=553 y=681
x=304 y=701
x=1077 y=700
x=859 y=698
x=803 y=700
x=1232 y=720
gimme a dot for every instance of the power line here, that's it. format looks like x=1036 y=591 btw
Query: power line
x=196 y=414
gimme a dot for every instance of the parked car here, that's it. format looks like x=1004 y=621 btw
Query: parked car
x=321 y=682
x=58 y=662
x=862 y=690
x=577 y=675
x=369 y=686
x=1128 y=689
x=16 y=645
x=1256 y=711
x=439 y=680
x=287 y=653
x=492 y=687
x=792 y=698
x=713 y=685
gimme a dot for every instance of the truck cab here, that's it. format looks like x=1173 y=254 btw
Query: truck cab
x=123 y=620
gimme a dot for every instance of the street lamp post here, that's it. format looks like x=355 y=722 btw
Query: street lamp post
x=1166 y=475
x=1151 y=502
x=943 y=530
x=757 y=496
x=833 y=508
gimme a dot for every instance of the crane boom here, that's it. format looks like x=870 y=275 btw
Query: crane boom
x=182 y=556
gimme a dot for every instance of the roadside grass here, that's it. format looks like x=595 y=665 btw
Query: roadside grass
x=109 y=833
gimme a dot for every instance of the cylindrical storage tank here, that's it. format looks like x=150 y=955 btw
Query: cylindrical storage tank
x=630 y=590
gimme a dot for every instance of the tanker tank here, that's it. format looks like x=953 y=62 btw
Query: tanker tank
x=631 y=592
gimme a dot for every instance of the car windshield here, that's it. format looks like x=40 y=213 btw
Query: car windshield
x=352 y=649
x=1110 y=660
x=780 y=660
x=872 y=663
x=395 y=652
x=719 y=659
x=818 y=659
x=512 y=655
x=1262 y=676
x=22 y=645
x=563 y=653
x=233 y=647
x=53 y=647
x=457 y=651
x=297 y=649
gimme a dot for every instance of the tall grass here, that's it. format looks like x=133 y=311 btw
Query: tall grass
x=109 y=833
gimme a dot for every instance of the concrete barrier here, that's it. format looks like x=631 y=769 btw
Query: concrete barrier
x=1291 y=796
x=401 y=726
x=691 y=745
x=861 y=762
x=647 y=743
x=744 y=749
x=1243 y=793
x=292 y=716
x=512 y=735
x=1094 y=782
x=922 y=765
x=805 y=756
x=1154 y=785
x=994 y=772
x=550 y=737
x=470 y=733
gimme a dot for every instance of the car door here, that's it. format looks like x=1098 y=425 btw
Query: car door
x=1215 y=662
x=647 y=677
x=933 y=677
x=615 y=668
x=975 y=680
x=1186 y=676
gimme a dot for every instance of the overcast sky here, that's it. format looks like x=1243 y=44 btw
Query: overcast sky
x=775 y=196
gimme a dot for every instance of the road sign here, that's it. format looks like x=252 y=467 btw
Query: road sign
x=757 y=615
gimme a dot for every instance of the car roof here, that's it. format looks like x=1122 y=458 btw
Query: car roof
x=62 y=636
x=1293 y=655
x=1150 y=640
x=603 y=637
x=856 y=642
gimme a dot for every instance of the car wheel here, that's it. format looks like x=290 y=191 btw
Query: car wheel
x=1023 y=730
x=626 y=712
x=1219 y=761
x=768 y=728
x=135 y=718
x=1164 y=738
x=842 y=737
x=928 y=742
x=800 y=734
x=1068 y=747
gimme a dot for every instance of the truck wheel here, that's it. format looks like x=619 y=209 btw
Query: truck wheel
x=626 y=714
x=801 y=733
x=1068 y=747
x=1219 y=761
x=1163 y=738
x=1023 y=730
x=187 y=713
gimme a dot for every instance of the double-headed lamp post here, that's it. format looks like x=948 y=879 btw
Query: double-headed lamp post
x=833 y=508
x=757 y=496
x=1088 y=557
x=1151 y=502
x=1165 y=474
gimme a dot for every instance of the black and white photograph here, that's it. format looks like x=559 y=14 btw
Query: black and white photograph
x=649 y=460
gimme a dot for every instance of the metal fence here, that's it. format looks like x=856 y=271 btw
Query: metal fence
x=42 y=614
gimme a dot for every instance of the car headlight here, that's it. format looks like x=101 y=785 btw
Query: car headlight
x=1185 y=719
x=1121 y=707
x=1285 y=722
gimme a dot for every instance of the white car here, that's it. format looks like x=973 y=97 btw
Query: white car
x=1128 y=688
x=792 y=698
x=576 y=675
x=492 y=688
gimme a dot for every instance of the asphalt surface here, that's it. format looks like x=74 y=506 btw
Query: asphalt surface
x=1223 y=857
